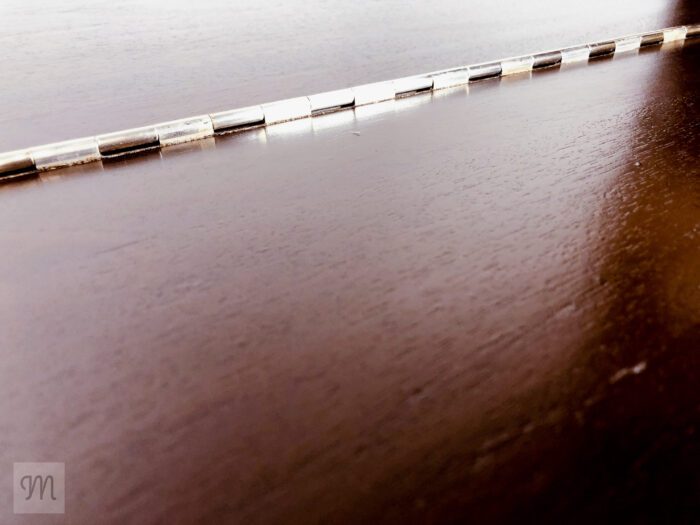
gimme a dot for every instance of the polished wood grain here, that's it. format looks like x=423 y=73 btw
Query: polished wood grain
x=479 y=305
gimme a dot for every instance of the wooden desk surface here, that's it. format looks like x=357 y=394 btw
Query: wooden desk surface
x=480 y=304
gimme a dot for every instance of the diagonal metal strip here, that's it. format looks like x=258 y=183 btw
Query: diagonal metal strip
x=22 y=163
